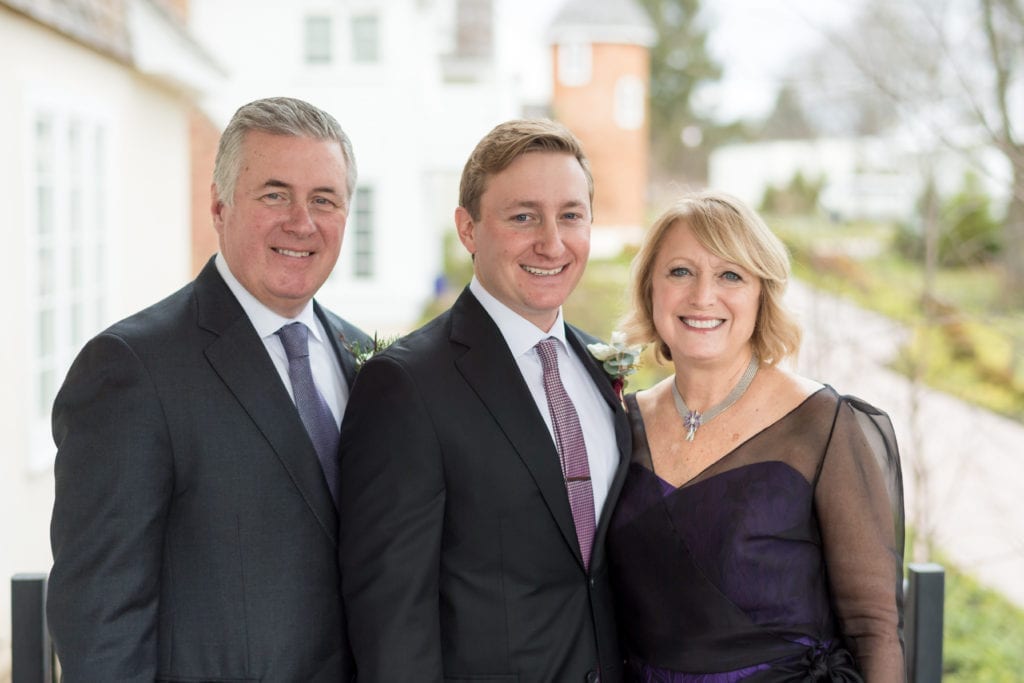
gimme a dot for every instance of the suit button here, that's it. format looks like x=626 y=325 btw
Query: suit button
x=593 y=677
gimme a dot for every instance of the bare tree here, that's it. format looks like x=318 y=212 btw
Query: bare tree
x=680 y=63
x=1003 y=21
x=952 y=71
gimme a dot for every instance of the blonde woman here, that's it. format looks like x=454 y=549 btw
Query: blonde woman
x=759 y=534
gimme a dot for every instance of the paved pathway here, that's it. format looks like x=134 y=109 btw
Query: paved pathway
x=972 y=461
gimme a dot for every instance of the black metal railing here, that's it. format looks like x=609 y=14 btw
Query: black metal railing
x=31 y=650
x=923 y=608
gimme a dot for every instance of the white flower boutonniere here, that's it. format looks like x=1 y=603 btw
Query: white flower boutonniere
x=363 y=352
x=617 y=359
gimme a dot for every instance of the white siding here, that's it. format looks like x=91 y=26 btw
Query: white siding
x=145 y=225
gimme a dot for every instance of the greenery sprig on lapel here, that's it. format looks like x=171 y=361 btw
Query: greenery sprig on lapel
x=363 y=352
x=617 y=359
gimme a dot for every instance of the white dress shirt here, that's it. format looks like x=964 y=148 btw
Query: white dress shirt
x=327 y=374
x=596 y=417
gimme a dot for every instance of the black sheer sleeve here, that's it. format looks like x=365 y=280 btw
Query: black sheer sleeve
x=859 y=503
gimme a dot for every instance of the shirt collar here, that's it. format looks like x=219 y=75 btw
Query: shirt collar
x=266 y=321
x=520 y=334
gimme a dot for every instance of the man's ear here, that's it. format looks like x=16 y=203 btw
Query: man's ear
x=465 y=226
x=216 y=209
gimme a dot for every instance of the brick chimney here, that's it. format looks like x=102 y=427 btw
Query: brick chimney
x=600 y=55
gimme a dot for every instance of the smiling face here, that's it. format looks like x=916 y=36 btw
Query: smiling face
x=282 y=233
x=531 y=241
x=704 y=308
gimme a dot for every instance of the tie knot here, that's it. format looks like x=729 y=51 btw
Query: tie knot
x=547 y=349
x=295 y=339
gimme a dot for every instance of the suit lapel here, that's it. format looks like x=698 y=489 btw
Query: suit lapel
x=488 y=367
x=239 y=357
x=336 y=331
x=623 y=440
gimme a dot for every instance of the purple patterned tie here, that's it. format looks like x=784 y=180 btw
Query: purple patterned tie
x=313 y=410
x=572 y=450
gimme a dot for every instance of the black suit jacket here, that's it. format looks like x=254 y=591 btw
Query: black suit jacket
x=458 y=550
x=193 y=533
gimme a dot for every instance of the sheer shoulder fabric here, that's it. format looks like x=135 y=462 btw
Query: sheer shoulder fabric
x=790 y=544
x=859 y=501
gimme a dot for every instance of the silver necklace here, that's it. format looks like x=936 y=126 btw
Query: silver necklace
x=693 y=419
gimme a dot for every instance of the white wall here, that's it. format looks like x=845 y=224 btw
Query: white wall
x=147 y=232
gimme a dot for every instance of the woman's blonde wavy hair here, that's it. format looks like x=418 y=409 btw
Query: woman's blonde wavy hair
x=730 y=230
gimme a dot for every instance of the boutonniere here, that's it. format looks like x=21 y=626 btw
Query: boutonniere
x=363 y=352
x=617 y=359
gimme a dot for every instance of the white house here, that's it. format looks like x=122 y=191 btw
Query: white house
x=868 y=177
x=415 y=84
x=95 y=164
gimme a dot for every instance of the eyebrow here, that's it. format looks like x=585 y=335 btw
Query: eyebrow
x=532 y=204
x=274 y=182
x=718 y=262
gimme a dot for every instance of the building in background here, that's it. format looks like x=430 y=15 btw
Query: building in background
x=601 y=66
x=879 y=177
x=94 y=125
x=415 y=84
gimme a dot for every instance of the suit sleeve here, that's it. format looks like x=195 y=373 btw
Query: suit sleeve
x=113 y=483
x=391 y=507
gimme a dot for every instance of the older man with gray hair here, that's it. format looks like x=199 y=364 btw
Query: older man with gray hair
x=195 y=525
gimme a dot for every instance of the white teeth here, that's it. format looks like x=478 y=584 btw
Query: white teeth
x=702 y=324
x=541 y=271
x=289 y=252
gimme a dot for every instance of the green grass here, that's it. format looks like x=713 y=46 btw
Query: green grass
x=983 y=634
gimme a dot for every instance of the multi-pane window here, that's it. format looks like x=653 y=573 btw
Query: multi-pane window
x=363 y=217
x=318 y=39
x=365 y=39
x=474 y=28
x=630 y=102
x=68 y=215
x=574 y=64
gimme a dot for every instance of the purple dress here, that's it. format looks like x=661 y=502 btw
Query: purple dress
x=782 y=561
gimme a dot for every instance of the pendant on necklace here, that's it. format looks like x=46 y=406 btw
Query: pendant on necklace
x=693 y=419
x=691 y=422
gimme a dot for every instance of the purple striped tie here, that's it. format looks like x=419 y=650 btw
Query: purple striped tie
x=572 y=450
x=316 y=416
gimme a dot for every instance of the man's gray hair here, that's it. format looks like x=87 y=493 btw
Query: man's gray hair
x=276 y=116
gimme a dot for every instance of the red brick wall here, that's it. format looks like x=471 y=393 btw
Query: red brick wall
x=618 y=157
x=204 y=136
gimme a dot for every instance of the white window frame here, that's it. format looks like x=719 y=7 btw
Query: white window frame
x=365 y=33
x=630 y=102
x=71 y=286
x=575 y=64
x=317 y=38
x=364 y=232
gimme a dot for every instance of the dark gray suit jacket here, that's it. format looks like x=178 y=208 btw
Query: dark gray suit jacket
x=193 y=533
x=458 y=550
